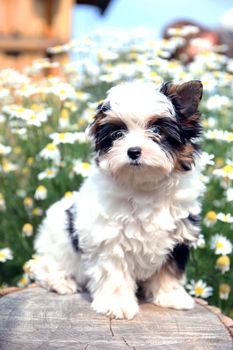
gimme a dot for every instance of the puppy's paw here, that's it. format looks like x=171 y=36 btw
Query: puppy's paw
x=115 y=306
x=63 y=286
x=176 y=299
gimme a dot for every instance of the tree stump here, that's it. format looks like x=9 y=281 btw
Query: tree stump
x=33 y=319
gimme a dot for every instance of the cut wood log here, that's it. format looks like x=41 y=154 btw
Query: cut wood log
x=36 y=319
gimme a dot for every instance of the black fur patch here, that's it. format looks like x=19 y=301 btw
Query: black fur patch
x=194 y=219
x=71 y=213
x=171 y=132
x=180 y=256
x=103 y=107
x=106 y=107
x=106 y=134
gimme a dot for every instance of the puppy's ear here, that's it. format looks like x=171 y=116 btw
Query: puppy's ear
x=185 y=97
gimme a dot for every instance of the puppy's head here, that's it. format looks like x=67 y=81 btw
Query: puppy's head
x=145 y=134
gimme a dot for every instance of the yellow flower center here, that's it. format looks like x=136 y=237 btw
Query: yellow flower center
x=64 y=114
x=25 y=171
x=153 y=74
x=50 y=172
x=219 y=162
x=23 y=280
x=20 y=110
x=28 y=201
x=68 y=194
x=228 y=169
x=50 y=147
x=17 y=150
x=81 y=123
x=6 y=165
x=30 y=160
x=211 y=215
x=219 y=245
x=224 y=288
x=230 y=136
x=28 y=228
x=199 y=290
x=205 y=123
x=62 y=136
x=36 y=211
x=41 y=188
x=223 y=261
x=2 y=255
x=86 y=165
x=36 y=107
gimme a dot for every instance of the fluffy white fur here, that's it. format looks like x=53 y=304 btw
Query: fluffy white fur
x=128 y=218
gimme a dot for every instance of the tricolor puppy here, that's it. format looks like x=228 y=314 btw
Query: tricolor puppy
x=135 y=218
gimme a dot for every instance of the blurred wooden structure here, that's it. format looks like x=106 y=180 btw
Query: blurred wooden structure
x=29 y=27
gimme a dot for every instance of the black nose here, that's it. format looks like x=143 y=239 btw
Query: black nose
x=134 y=152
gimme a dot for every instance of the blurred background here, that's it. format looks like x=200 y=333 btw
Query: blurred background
x=28 y=27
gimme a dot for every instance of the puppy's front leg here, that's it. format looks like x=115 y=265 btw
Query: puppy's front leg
x=165 y=287
x=113 y=290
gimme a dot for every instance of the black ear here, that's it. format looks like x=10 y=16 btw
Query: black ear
x=185 y=97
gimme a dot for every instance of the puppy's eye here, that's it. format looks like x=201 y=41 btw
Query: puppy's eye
x=117 y=134
x=155 y=129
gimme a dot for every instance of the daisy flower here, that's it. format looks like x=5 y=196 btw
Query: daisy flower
x=28 y=202
x=82 y=168
x=7 y=166
x=49 y=173
x=226 y=172
x=225 y=217
x=223 y=263
x=37 y=211
x=18 y=111
x=217 y=102
x=63 y=137
x=224 y=291
x=221 y=245
x=24 y=281
x=68 y=194
x=64 y=119
x=80 y=136
x=210 y=218
x=63 y=91
x=215 y=134
x=82 y=96
x=229 y=194
x=37 y=118
x=206 y=159
x=4 y=150
x=5 y=254
x=51 y=152
x=27 y=230
x=41 y=192
x=199 y=289
x=200 y=243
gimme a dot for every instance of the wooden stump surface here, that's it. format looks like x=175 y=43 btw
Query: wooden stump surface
x=34 y=319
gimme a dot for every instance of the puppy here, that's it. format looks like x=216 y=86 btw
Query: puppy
x=134 y=219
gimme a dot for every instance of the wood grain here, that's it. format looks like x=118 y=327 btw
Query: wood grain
x=36 y=319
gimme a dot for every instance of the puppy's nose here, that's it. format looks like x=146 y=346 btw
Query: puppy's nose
x=134 y=152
